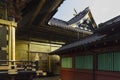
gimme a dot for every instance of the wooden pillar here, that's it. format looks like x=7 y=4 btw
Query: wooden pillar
x=11 y=44
x=49 y=63
x=95 y=62
x=11 y=39
x=28 y=51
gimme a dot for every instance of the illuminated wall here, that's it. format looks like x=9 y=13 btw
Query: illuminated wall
x=25 y=49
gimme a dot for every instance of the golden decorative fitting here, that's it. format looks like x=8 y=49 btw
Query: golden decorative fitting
x=8 y=23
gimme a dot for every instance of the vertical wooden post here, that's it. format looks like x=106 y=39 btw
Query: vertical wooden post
x=49 y=63
x=13 y=43
x=49 y=60
x=9 y=46
x=94 y=66
x=28 y=51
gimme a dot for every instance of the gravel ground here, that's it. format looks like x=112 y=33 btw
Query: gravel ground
x=48 y=78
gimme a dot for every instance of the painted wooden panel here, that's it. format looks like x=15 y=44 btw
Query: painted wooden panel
x=83 y=75
x=102 y=75
x=72 y=74
x=3 y=56
x=66 y=62
x=117 y=61
x=105 y=62
x=67 y=74
x=109 y=61
x=108 y=66
x=3 y=34
x=3 y=43
x=84 y=62
x=21 y=51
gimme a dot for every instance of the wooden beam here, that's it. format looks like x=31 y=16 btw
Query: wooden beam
x=8 y=23
x=51 y=8
x=39 y=7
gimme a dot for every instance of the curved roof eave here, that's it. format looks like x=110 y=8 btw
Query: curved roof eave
x=64 y=25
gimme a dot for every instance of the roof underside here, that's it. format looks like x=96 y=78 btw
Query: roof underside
x=35 y=24
x=33 y=16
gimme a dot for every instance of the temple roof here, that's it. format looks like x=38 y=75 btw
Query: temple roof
x=64 y=25
x=33 y=16
x=108 y=37
x=79 y=16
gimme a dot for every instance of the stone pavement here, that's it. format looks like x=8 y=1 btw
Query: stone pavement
x=48 y=78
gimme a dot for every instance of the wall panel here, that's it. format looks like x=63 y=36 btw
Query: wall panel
x=84 y=62
x=66 y=62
